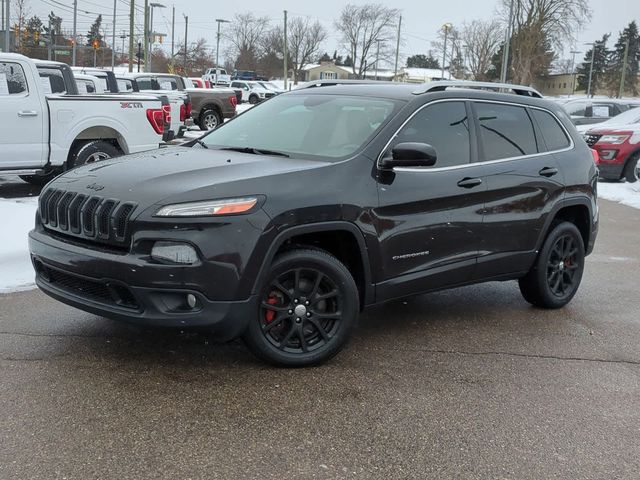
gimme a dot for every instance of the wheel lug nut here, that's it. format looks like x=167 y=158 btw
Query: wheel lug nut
x=295 y=300
x=290 y=312
x=307 y=302
x=298 y=320
x=308 y=314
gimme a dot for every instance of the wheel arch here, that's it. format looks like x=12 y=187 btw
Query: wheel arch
x=342 y=239
x=577 y=211
x=630 y=156
x=103 y=133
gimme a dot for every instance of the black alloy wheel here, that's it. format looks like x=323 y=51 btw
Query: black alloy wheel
x=556 y=275
x=307 y=310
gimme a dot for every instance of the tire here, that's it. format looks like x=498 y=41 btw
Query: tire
x=555 y=277
x=308 y=308
x=632 y=169
x=92 y=151
x=253 y=99
x=209 y=119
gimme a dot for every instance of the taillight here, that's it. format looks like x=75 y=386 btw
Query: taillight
x=156 y=118
x=234 y=101
x=207 y=83
x=166 y=113
x=188 y=109
x=183 y=112
x=596 y=156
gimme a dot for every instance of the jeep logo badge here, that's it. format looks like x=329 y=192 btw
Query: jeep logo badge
x=95 y=187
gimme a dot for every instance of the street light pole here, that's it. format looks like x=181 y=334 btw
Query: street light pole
x=220 y=22
x=7 y=22
x=624 y=68
x=150 y=34
x=593 y=55
x=504 y=71
x=75 y=32
x=113 y=43
x=446 y=27
x=573 y=70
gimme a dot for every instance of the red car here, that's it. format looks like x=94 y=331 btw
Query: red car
x=618 y=150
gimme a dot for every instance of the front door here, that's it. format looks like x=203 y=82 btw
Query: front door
x=428 y=218
x=22 y=137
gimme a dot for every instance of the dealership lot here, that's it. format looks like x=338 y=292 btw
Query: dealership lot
x=469 y=383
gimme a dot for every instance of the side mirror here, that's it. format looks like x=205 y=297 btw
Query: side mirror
x=410 y=154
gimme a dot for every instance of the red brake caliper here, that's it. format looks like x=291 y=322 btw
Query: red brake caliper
x=270 y=315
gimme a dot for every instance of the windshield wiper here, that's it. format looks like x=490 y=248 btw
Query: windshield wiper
x=202 y=144
x=256 y=151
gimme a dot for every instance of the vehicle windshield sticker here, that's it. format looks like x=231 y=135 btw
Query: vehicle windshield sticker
x=46 y=84
x=165 y=86
x=4 y=86
x=601 y=111
x=82 y=87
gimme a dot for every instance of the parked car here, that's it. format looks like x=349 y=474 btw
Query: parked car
x=271 y=86
x=373 y=193
x=252 y=92
x=248 y=75
x=88 y=84
x=592 y=111
x=217 y=76
x=108 y=78
x=618 y=148
x=43 y=134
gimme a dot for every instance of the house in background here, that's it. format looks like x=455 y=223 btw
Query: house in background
x=556 y=84
x=331 y=71
x=422 y=75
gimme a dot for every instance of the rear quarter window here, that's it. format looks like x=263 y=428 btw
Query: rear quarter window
x=553 y=134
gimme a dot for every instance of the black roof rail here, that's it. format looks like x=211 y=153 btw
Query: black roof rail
x=332 y=82
x=441 y=85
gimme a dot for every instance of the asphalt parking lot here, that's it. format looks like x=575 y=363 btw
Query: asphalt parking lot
x=469 y=383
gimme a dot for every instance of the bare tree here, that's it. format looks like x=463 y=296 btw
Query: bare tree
x=304 y=43
x=481 y=39
x=538 y=27
x=20 y=12
x=245 y=34
x=366 y=29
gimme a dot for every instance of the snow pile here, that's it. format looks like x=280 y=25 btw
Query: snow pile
x=16 y=272
x=625 y=193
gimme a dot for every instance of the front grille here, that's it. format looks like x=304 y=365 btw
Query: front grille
x=93 y=218
x=91 y=289
x=592 y=139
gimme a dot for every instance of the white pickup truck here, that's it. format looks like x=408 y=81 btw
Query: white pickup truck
x=42 y=134
x=217 y=76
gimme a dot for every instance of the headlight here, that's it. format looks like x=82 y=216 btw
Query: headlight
x=174 y=252
x=208 y=208
x=614 y=139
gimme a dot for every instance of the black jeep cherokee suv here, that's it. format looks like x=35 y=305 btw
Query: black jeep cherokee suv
x=282 y=224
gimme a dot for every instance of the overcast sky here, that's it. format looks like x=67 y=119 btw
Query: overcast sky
x=421 y=18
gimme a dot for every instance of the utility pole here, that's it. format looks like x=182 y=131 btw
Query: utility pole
x=593 y=55
x=132 y=13
x=186 y=32
x=139 y=54
x=504 y=73
x=395 y=70
x=286 y=53
x=446 y=27
x=573 y=70
x=145 y=36
x=123 y=35
x=173 y=32
x=624 y=68
x=75 y=32
x=220 y=21
x=50 y=41
x=113 y=43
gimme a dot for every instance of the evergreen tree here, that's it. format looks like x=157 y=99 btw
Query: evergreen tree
x=616 y=60
x=600 y=63
x=423 y=61
x=348 y=61
x=324 y=58
x=94 y=32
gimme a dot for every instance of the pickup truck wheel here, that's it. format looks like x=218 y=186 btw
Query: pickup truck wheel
x=632 y=169
x=308 y=308
x=93 y=151
x=253 y=99
x=556 y=275
x=209 y=119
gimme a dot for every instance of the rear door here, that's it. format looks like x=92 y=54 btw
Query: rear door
x=428 y=219
x=523 y=182
x=22 y=119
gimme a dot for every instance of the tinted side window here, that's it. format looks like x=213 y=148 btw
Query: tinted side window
x=506 y=131
x=553 y=134
x=445 y=127
x=12 y=80
x=144 y=83
x=168 y=83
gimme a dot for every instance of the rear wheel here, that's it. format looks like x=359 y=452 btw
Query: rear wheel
x=556 y=275
x=93 y=151
x=308 y=308
x=209 y=119
x=253 y=99
x=632 y=169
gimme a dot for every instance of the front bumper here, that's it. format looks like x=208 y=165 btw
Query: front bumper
x=122 y=287
x=610 y=171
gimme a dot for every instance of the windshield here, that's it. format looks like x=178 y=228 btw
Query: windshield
x=626 y=118
x=307 y=126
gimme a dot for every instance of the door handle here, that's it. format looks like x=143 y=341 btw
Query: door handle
x=28 y=113
x=469 y=182
x=548 y=171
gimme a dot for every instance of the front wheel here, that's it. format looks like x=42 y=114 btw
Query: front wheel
x=556 y=275
x=632 y=170
x=253 y=99
x=308 y=308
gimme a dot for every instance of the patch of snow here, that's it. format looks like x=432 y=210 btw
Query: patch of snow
x=16 y=272
x=625 y=193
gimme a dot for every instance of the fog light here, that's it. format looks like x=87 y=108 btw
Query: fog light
x=191 y=300
x=174 y=252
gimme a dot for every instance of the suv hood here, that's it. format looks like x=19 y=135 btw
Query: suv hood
x=180 y=174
